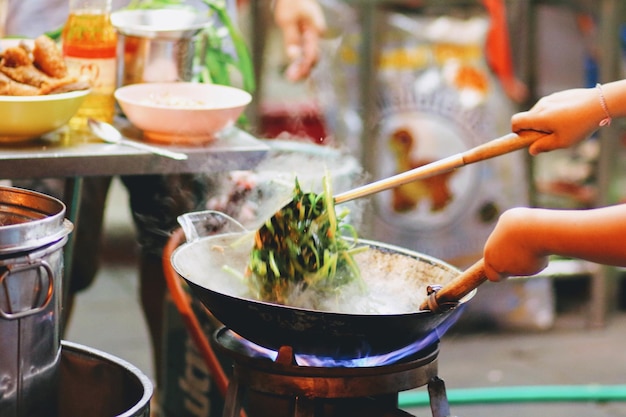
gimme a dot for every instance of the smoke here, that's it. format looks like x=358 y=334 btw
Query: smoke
x=252 y=196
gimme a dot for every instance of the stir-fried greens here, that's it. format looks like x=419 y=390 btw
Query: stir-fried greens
x=302 y=246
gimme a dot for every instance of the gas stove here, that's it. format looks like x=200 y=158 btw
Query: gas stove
x=275 y=383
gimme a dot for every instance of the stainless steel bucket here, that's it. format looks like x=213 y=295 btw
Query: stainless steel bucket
x=156 y=45
x=97 y=384
x=33 y=231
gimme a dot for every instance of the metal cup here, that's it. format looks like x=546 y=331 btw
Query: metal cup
x=157 y=45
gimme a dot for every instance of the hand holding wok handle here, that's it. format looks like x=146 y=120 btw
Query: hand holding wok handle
x=442 y=299
x=496 y=147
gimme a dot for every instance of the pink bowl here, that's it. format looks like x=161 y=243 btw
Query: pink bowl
x=181 y=113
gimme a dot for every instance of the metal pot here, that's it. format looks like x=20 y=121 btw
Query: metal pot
x=156 y=45
x=33 y=232
x=97 y=384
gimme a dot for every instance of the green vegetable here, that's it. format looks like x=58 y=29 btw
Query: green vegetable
x=302 y=246
x=243 y=62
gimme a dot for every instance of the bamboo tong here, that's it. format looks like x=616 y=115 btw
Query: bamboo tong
x=496 y=147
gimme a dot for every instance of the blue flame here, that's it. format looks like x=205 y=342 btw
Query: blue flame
x=434 y=336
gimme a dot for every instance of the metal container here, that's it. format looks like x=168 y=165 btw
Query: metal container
x=33 y=231
x=156 y=45
x=97 y=384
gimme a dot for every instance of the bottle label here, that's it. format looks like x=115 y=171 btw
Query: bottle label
x=99 y=72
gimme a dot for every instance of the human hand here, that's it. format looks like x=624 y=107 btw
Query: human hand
x=302 y=23
x=511 y=248
x=567 y=117
x=524 y=238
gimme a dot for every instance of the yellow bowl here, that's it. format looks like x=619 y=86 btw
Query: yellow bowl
x=181 y=113
x=24 y=118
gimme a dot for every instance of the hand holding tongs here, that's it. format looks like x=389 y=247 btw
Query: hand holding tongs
x=447 y=296
x=496 y=147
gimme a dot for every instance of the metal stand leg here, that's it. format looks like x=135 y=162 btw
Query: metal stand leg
x=232 y=402
x=438 y=398
x=304 y=407
x=72 y=196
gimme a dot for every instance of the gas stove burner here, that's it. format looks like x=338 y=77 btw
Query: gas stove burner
x=279 y=382
x=244 y=350
x=284 y=376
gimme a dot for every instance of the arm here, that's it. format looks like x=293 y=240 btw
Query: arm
x=570 y=116
x=302 y=23
x=524 y=238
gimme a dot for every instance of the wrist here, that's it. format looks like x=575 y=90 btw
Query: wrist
x=606 y=121
x=615 y=96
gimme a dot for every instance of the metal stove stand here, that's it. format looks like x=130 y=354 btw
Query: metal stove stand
x=283 y=388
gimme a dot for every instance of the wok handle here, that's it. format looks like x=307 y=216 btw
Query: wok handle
x=456 y=289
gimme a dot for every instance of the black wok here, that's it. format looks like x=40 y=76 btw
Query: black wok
x=309 y=331
x=335 y=334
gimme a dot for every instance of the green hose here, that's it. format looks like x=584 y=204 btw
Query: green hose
x=520 y=394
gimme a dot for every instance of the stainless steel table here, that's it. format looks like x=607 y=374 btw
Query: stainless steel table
x=64 y=154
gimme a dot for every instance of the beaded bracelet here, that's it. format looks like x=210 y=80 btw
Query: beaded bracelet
x=607 y=120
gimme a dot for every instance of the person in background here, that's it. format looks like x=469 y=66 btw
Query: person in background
x=524 y=238
x=156 y=200
x=302 y=24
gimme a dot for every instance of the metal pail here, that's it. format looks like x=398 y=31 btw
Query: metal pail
x=156 y=45
x=33 y=231
x=97 y=384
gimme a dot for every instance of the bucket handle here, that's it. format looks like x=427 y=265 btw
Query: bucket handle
x=24 y=267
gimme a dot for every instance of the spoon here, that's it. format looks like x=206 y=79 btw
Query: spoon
x=108 y=133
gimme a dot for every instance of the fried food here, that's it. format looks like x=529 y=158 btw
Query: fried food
x=37 y=72
x=65 y=87
x=9 y=87
x=48 y=58
x=16 y=56
x=26 y=74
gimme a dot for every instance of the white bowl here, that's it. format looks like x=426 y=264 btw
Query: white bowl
x=182 y=113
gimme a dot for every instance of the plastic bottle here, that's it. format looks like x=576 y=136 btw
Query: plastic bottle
x=90 y=50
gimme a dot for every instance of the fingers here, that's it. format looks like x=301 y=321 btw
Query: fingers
x=302 y=23
x=291 y=39
x=493 y=275
x=302 y=57
x=531 y=121
x=535 y=266
x=544 y=144
x=527 y=120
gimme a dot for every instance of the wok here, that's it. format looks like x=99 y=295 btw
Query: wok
x=331 y=333
x=320 y=332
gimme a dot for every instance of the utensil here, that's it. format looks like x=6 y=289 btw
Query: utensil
x=496 y=147
x=108 y=133
x=26 y=118
x=159 y=44
x=446 y=297
x=182 y=113
x=33 y=231
x=312 y=331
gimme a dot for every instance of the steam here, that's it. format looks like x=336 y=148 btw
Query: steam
x=252 y=196
x=395 y=283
